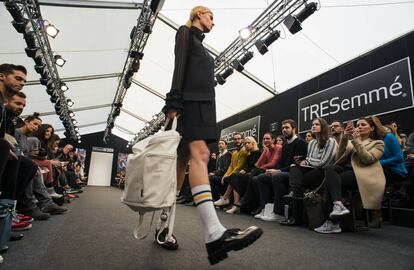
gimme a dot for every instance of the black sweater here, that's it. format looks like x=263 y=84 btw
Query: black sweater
x=296 y=148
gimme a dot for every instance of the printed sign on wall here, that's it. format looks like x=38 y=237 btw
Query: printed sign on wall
x=384 y=90
x=249 y=127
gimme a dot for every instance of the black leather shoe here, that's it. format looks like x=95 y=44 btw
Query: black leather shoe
x=257 y=211
x=3 y=249
x=232 y=239
x=170 y=245
x=14 y=236
x=288 y=222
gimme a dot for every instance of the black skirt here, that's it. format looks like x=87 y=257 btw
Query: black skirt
x=198 y=122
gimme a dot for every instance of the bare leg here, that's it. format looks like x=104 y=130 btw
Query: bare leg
x=236 y=197
x=228 y=192
x=198 y=163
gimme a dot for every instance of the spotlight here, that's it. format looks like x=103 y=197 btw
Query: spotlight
x=67 y=134
x=74 y=121
x=128 y=79
x=21 y=27
x=79 y=141
x=46 y=81
x=135 y=65
x=30 y=39
x=156 y=5
x=50 y=91
x=59 y=60
x=15 y=10
x=40 y=69
x=54 y=99
x=147 y=29
x=136 y=54
x=293 y=23
x=221 y=78
x=64 y=87
x=262 y=46
x=76 y=128
x=245 y=33
x=117 y=111
x=71 y=114
x=111 y=124
x=39 y=61
x=132 y=34
x=69 y=102
x=239 y=64
x=50 y=29
x=33 y=52
x=58 y=107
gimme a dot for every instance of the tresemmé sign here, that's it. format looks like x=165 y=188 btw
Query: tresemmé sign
x=384 y=90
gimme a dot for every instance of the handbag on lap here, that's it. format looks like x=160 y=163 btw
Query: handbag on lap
x=151 y=179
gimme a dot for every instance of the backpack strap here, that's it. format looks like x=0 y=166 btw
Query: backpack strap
x=138 y=226
x=167 y=221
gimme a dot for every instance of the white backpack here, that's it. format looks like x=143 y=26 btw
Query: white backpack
x=151 y=179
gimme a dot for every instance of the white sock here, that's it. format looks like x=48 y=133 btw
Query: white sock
x=213 y=229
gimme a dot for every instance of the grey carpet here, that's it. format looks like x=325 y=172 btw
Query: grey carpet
x=96 y=233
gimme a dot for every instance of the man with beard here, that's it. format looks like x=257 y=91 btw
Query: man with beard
x=337 y=129
x=278 y=184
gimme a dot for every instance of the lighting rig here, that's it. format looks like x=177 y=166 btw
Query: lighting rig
x=27 y=20
x=151 y=127
x=139 y=36
x=261 y=33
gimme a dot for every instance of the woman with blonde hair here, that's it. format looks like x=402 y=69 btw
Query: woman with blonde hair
x=238 y=181
x=192 y=100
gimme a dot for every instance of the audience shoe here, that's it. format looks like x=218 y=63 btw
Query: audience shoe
x=4 y=249
x=222 y=202
x=1 y=259
x=181 y=200
x=257 y=211
x=288 y=222
x=16 y=236
x=273 y=217
x=25 y=218
x=53 y=194
x=338 y=210
x=21 y=225
x=191 y=203
x=232 y=239
x=259 y=215
x=328 y=227
x=171 y=244
x=234 y=210
x=36 y=214
x=54 y=209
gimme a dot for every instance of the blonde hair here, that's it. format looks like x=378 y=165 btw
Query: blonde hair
x=254 y=143
x=194 y=12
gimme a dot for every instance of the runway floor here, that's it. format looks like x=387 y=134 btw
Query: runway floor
x=96 y=233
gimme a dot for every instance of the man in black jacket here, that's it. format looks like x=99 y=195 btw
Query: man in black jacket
x=279 y=183
x=222 y=164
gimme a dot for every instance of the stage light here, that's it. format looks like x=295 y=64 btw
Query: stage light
x=76 y=128
x=239 y=64
x=30 y=39
x=64 y=87
x=33 y=52
x=50 y=29
x=21 y=27
x=15 y=10
x=147 y=29
x=293 y=23
x=221 y=78
x=128 y=79
x=136 y=55
x=132 y=34
x=40 y=69
x=46 y=81
x=117 y=111
x=111 y=124
x=39 y=61
x=71 y=114
x=59 y=60
x=245 y=33
x=79 y=141
x=74 y=121
x=67 y=134
x=262 y=46
x=69 y=102
x=156 y=5
x=54 y=99
x=135 y=65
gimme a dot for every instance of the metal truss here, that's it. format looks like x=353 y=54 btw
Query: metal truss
x=139 y=37
x=28 y=21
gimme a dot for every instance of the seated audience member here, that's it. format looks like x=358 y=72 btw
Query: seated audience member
x=394 y=129
x=237 y=163
x=357 y=167
x=222 y=164
x=72 y=178
x=212 y=162
x=308 y=171
x=239 y=181
x=268 y=160
x=36 y=188
x=403 y=141
x=309 y=137
x=392 y=160
x=277 y=184
x=337 y=129
x=409 y=161
x=280 y=140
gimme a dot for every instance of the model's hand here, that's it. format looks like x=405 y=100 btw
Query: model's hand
x=173 y=114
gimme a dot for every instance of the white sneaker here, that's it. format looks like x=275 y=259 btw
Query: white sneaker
x=273 y=217
x=233 y=210
x=222 y=202
x=338 y=210
x=53 y=194
x=260 y=215
x=328 y=227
